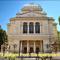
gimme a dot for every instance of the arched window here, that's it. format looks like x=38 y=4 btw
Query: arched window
x=25 y=27
x=37 y=27
x=31 y=27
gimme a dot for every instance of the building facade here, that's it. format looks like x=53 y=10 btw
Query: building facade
x=31 y=30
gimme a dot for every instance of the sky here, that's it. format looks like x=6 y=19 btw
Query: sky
x=9 y=8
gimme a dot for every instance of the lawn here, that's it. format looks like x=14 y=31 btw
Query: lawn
x=14 y=55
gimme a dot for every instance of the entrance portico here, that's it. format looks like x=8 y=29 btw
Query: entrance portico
x=27 y=46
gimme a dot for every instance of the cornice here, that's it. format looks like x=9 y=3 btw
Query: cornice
x=29 y=18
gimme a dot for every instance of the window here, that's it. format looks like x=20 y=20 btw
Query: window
x=31 y=27
x=25 y=27
x=37 y=27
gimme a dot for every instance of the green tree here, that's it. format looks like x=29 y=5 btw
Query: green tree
x=3 y=37
x=59 y=20
x=58 y=33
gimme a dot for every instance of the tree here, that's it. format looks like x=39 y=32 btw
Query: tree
x=3 y=37
x=58 y=39
x=59 y=20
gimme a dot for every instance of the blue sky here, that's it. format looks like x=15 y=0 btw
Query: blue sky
x=8 y=9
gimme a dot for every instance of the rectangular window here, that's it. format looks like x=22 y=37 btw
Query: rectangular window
x=25 y=27
x=31 y=27
x=37 y=27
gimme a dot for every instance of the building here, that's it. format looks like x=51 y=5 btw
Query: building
x=31 y=30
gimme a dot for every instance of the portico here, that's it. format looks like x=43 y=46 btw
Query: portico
x=31 y=46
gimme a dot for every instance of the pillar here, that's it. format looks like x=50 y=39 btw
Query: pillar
x=34 y=47
x=21 y=47
x=34 y=28
x=27 y=46
x=28 y=28
x=42 y=46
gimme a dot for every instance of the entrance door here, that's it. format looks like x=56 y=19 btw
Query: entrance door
x=25 y=50
x=37 y=49
x=31 y=49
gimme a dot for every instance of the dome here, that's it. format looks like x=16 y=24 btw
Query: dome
x=32 y=6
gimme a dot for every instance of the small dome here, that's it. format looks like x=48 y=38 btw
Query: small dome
x=32 y=6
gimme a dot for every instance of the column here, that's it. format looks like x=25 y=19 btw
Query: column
x=21 y=47
x=34 y=47
x=27 y=46
x=28 y=27
x=42 y=47
x=41 y=29
x=34 y=28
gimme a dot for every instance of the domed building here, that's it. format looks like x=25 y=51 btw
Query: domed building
x=31 y=30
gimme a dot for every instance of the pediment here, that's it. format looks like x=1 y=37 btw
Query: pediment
x=30 y=14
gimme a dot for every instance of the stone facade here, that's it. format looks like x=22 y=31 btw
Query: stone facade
x=31 y=13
